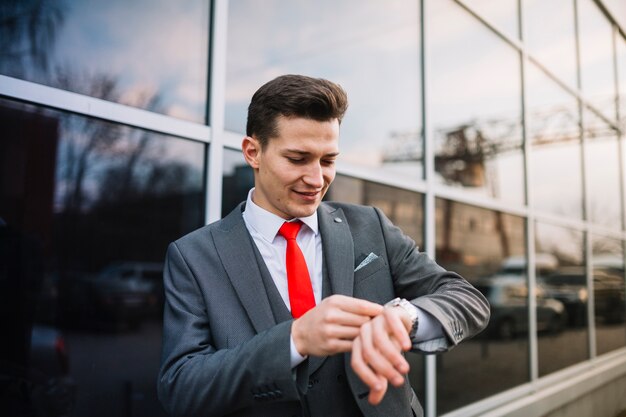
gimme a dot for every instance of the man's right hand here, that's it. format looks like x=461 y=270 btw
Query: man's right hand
x=332 y=325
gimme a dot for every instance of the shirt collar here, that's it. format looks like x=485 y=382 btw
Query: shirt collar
x=267 y=224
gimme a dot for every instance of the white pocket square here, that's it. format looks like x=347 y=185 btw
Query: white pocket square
x=371 y=257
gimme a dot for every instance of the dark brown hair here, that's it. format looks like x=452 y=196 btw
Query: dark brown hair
x=293 y=96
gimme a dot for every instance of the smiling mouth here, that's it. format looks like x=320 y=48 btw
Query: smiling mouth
x=307 y=193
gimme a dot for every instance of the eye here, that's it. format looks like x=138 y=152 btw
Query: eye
x=295 y=160
x=328 y=162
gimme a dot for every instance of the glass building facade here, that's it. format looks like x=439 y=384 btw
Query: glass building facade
x=492 y=133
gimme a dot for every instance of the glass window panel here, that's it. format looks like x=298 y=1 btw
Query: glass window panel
x=561 y=297
x=404 y=208
x=88 y=209
x=374 y=55
x=608 y=292
x=475 y=105
x=621 y=68
x=237 y=180
x=488 y=249
x=551 y=37
x=602 y=167
x=617 y=8
x=503 y=14
x=597 y=67
x=148 y=54
x=555 y=155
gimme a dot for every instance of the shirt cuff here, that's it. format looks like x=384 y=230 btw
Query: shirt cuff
x=428 y=327
x=296 y=357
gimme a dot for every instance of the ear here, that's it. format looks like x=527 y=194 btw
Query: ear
x=251 y=149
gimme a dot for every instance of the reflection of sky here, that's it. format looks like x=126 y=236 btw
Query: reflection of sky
x=474 y=78
x=148 y=46
x=355 y=43
x=550 y=35
x=602 y=165
x=596 y=52
x=502 y=14
x=621 y=64
x=555 y=239
x=555 y=168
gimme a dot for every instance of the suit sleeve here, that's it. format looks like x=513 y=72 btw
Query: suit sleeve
x=198 y=379
x=460 y=308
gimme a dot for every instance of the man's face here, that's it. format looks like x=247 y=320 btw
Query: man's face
x=294 y=170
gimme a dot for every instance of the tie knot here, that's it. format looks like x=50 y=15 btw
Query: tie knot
x=289 y=230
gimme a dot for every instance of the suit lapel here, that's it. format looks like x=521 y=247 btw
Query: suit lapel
x=237 y=256
x=338 y=249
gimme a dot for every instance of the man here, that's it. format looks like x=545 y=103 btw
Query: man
x=282 y=308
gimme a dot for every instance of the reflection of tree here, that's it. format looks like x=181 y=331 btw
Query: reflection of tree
x=112 y=179
x=28 y=30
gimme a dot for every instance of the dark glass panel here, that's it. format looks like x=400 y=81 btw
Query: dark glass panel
x=148 y=54
x=555 y=155
x=597 y=66
x=87 y=209
x=369 y=47
x=475 y=105
x=487 y=248
x=551 y=37
x=608 y=293
x=237 y=180
x=603 y=175
x=561 y=287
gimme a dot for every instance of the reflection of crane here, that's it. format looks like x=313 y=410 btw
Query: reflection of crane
x=463 y=152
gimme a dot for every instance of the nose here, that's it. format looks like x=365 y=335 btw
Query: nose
x=314 y=176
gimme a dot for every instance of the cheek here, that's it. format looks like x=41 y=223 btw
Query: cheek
x=329 y=175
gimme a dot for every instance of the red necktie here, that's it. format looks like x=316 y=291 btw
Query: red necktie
x=300 y=290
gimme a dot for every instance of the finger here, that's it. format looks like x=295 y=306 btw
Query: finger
x=338 y=346
x=356 y=305
x=363 y=371
x=335 y=331
x=397 y=328
x=370 y=336
x=376 y=396
x=345 y=318
x=390 y=349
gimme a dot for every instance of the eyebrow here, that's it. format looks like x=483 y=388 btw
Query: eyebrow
x=304 y=153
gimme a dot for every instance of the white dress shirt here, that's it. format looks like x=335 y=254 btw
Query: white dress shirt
x=263 y=227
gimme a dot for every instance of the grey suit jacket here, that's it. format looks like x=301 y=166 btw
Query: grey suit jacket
x=224 y=352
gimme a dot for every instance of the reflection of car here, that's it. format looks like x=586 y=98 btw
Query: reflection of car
x=45 y=387
x=122 y=292
x=569 y=286
x=508 y=297
x=145 y=275
x=609 y=297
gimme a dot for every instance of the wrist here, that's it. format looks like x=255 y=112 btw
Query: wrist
x=407 y=312
x=298 y=338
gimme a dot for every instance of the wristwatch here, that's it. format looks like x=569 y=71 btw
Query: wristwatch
x=411 y=311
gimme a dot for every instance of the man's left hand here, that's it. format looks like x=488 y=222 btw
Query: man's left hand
x=377 y=352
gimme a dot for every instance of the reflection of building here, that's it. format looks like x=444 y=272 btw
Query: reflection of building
x=491 y=151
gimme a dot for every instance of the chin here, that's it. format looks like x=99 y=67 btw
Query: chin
x=303 y=211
